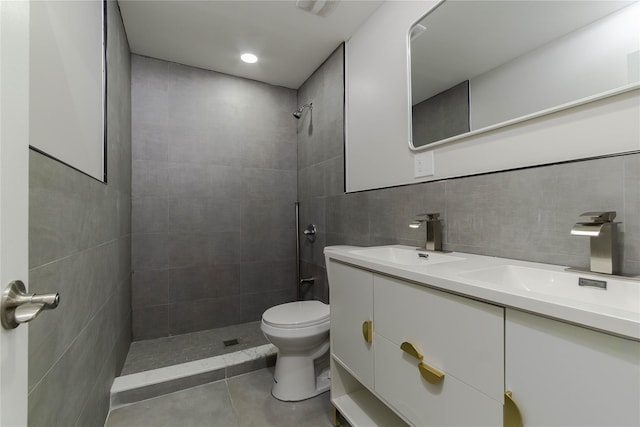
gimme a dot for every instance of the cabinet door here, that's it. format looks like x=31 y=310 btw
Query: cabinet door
x=351 y=305
x=565 y=375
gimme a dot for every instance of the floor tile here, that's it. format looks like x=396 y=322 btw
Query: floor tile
x=242 y=401
x=255 y=406
x=206 y=405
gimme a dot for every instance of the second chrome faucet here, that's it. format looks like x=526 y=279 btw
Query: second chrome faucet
x=433 y=226
x=602 y=231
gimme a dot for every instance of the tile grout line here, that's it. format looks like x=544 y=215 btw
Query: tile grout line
x=233 y=406
x=76 y=338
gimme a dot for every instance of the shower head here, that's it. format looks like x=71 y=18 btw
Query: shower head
x=298 y=113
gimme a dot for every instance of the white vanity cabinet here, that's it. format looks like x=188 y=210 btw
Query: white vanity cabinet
x=457 y=340
x=566 y=375
x=456 y=373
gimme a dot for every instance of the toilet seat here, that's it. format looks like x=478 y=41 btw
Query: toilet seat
x=298 y=314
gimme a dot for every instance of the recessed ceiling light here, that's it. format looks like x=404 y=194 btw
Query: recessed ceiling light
x=249 y=58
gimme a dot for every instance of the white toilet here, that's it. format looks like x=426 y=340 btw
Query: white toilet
x=300 y=331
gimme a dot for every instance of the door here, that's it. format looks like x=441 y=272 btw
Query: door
x=562 y=374
x=14 y=215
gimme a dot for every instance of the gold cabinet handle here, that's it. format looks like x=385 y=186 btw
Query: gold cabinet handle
x=367 y=330
x=411 y=349
x=511 y=416
x=430 y=374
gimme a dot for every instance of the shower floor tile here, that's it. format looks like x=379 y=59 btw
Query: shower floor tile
x=167 y=351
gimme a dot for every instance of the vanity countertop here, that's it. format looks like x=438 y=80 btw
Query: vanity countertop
x=543 y=289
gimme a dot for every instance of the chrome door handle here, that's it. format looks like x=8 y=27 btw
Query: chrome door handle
x=16 y=306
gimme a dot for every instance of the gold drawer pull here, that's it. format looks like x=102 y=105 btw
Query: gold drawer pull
x=512 y=416
x=367 y=331
x=431 y=375
x=411 y=349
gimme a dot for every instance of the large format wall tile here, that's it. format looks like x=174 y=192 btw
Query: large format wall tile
x=207 y=281
x=150 y=288
x=204 y=214
x=524 y=214
x=214 y=185
x=150 y=214
x=321 y=175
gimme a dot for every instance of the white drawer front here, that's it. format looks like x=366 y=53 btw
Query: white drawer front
x=462 y=337
x=448 y=403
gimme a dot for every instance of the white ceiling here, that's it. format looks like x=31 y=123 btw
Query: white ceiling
x=290 y=42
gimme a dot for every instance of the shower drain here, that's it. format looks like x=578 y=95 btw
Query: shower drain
x=229 y=343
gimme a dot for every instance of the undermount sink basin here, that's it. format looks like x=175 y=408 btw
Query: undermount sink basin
x=404 y=255
x=619 y=293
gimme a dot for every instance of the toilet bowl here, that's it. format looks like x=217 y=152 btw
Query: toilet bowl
x=300 y=331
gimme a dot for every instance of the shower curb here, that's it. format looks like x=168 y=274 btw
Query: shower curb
x=133 y=388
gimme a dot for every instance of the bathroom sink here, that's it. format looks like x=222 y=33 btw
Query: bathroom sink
x=620 y=294
x=407 y=256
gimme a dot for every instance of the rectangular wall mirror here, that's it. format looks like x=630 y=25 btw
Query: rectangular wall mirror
x=67 y=105
x=480 y=65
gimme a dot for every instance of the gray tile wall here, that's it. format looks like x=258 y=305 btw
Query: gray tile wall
x=321 y=168
x=441 y=116
x=525 y=214
x=214 y=187
x=80 y=245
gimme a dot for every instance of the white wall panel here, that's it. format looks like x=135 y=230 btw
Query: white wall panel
x=377 y=117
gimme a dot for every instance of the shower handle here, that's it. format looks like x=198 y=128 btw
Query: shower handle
x=16 y=306
x=310 y=233
x=307 y=281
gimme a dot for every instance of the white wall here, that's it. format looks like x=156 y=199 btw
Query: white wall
x=377 y=117
x=377 y=113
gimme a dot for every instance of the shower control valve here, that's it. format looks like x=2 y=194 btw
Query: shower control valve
x=310 y=232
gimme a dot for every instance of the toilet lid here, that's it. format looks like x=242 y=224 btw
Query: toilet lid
x=296 y=314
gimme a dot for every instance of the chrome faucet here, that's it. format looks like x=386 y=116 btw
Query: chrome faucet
x=602 y=232
x=433 y=240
